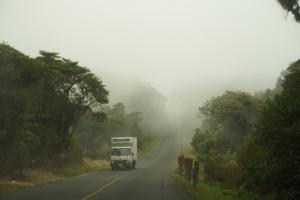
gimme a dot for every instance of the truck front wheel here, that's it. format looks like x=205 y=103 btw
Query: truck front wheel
x=133 y=165
x=130 y=167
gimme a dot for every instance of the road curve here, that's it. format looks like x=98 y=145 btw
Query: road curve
x=150 y=181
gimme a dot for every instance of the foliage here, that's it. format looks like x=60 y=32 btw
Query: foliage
x=212 y=191
x=95 y=136
x=256 y=142
x=41 y=100
x=219 y=167
x=276 y=162
x=44 y=102
x=227 y=120
x=271 y=93
x=152 y=106
x=292 y=6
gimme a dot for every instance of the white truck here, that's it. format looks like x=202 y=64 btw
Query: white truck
x=123 y=152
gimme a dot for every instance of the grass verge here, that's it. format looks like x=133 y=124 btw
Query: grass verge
x=187 y=151
x=153 y=141
x=87 y=166
x=33 y=177
x=210 y=191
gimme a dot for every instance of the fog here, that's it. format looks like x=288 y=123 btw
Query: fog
x=187 y=51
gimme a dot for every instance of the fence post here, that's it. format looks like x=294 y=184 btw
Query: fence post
x=195 y=173
x=180 y=163
x=190 y=168
x=186 y=168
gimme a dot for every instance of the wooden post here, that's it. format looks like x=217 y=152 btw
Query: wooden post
x=195 y=173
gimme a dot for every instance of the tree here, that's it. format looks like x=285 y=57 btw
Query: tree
x=228 y=119
x=292 y=6
x=152 y=104
x=41 y=101
x=20 y=79
x=48 y=57
x=271 y=93
x=277 y=138
x=95 y=136
x=76 y=91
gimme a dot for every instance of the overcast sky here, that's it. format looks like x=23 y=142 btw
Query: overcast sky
x=181 y=47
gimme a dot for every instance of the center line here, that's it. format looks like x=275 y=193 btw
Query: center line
x=102 y=188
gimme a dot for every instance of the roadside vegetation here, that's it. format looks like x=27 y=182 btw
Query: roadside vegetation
x=252 y=141
x=213 y=191
x=55 y=119
x=151 y=144
x=209 y=189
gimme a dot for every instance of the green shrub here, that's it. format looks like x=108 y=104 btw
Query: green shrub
x=218 y=167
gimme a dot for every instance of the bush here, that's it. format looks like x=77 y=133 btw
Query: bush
x=73 y=155
x=218 y=167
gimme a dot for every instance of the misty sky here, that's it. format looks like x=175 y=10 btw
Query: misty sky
x=184 y=48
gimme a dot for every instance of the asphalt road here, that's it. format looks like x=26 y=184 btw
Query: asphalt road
x=150 y=181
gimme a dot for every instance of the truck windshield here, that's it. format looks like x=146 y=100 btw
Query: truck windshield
x=121 y=152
